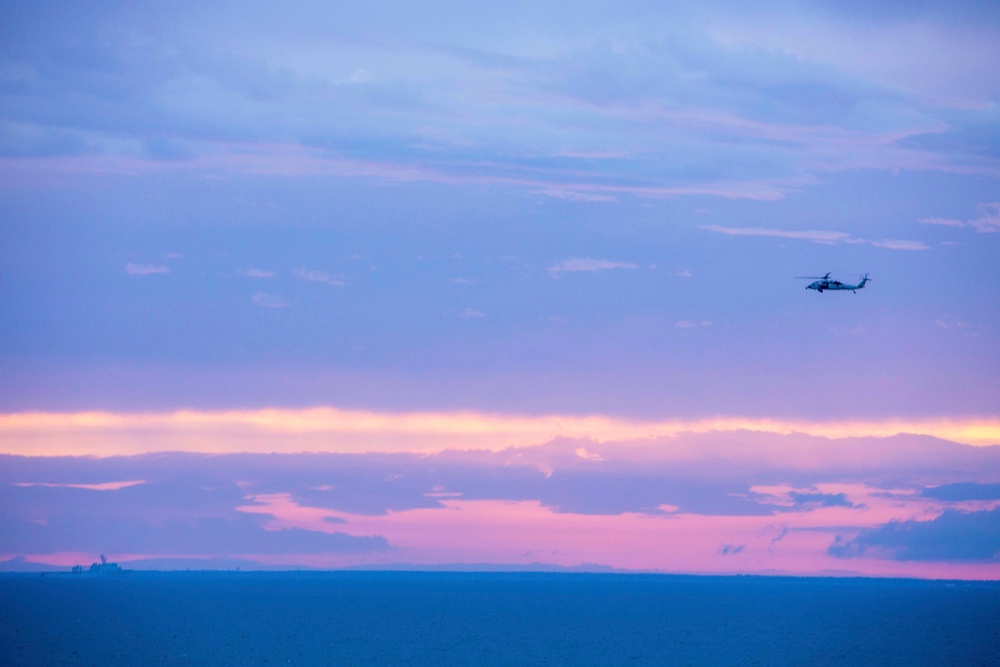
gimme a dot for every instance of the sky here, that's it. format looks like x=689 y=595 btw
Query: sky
x=305 y=284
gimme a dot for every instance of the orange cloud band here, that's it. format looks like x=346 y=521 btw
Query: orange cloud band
x=328 y=429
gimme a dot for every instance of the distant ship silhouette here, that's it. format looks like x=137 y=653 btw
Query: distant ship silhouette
x=104 y=567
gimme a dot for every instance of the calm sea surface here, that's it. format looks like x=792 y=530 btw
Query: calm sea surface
x=394 y=618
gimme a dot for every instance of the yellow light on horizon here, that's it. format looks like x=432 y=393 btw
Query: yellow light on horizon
x=330 y=429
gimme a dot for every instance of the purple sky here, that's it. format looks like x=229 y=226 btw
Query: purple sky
x=422 y=242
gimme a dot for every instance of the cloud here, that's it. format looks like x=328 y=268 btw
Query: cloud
x=896 y=244
x=166 y=517
x=358 y=76
x=953 y=324
x=946 y=222
x=809 y=499
x=708 y=474
x=952 y=536
x=729 y=107
x=258 y=273
x=720 y=487
x=145 y=269
x=575 y=195
x=781 y=532
x=687 y=324
x=815 y=236
x=921 y=54
x=586 y=264
x=103 y=486
x=318 y=277
x=963 y=491
x=471 y=313
x=268 y=300
x=603 y=485
x=988 y=220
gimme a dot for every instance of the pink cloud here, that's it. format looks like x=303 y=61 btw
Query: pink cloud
x=522 y=533
x=714 y=502
x=102 y=486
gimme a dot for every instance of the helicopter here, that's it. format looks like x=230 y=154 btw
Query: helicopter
x=821 y=283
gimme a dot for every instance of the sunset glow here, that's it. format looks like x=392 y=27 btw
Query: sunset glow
x=334 y=430
x=410 y=285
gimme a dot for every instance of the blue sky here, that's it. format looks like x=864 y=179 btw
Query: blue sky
x=380 y=199
x=539 y=209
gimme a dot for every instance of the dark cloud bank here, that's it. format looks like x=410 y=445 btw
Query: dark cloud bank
x=953 y=536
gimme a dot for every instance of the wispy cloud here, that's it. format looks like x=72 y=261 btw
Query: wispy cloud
x=951 y=323
x=145 y=269
x=356 y=77
x=268 y=300
x=101 y=486
x=586 y=264
x=318 y=277
x=576 y=195
x=899 y=244
x=471 y=313
x=815 y=236
x=946 y=222
x=987 y=221
x=965 y=329
x=732 y=549
x=258 y=273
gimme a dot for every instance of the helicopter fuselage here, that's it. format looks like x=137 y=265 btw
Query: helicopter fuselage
x=833 y=285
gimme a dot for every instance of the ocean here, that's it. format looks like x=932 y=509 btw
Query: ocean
x=434 y=618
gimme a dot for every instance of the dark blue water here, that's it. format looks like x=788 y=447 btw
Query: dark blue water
x=394 y=618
